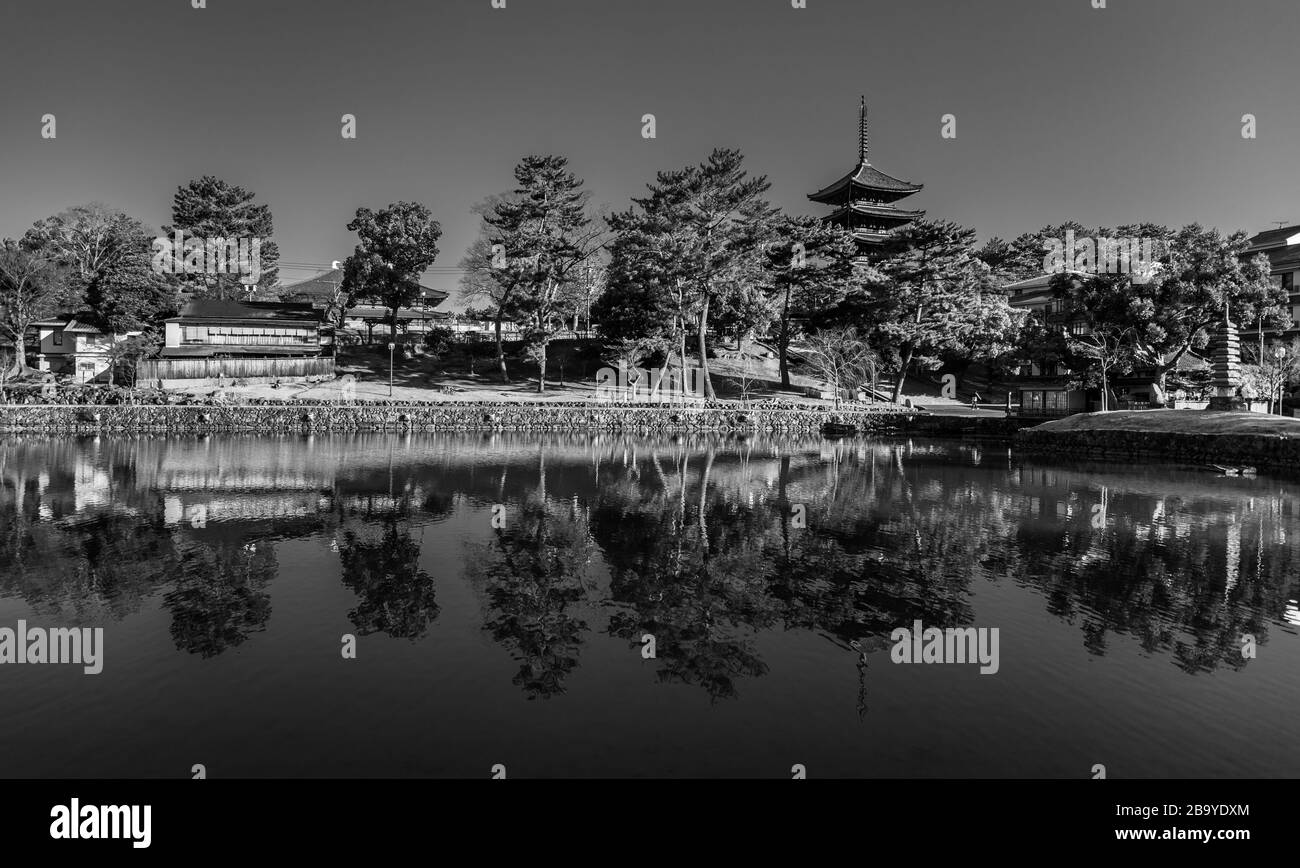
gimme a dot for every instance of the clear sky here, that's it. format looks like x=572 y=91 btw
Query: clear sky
x=1064 y=112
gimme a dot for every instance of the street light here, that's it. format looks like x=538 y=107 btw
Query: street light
x=391 y=346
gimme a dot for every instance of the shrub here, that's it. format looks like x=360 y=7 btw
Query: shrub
x=438 y=340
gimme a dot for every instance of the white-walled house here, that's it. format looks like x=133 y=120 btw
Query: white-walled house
x=74 y=346
x=1282 y=247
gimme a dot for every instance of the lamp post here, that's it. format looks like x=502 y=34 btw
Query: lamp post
x=392 y=345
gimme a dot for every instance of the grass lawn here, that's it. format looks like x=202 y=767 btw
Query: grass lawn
x=424 y=379
x=1178 y=421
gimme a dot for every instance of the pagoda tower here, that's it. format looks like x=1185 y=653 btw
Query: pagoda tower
x=1225 y=367
x=865 y=199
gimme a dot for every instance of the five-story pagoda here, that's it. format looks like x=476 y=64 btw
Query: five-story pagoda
x=864 y=199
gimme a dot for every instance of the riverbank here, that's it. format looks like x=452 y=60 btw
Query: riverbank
x=306 y=417
x=1198 y=437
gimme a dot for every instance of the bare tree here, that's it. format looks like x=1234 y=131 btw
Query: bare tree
x=482 y=264
x=747 y=382
x=1274 y=370
x=840 y=357
x=6 y=361
x=1110 y=346
x=30 y=290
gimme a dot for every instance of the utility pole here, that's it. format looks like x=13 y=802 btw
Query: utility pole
x=392 y=345
x=587 y=285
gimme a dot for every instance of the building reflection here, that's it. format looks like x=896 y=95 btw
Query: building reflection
x=702 y=542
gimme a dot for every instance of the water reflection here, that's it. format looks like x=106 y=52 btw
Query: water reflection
x=219 y=596
x=534 y=573
x=394 y=596
x=704 y=544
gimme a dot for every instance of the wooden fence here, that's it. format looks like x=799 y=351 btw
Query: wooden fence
x=149 y=370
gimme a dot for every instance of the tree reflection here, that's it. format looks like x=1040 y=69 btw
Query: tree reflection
x=534 y=575
x=708 y=543
x=219 y=598
x=84 y=568
x=395 y=596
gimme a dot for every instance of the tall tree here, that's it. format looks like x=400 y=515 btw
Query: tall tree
x=722 y=222
x=210 y=208
x=811 y=264
x=396 y=245
x=932 y=299
x=129 y=295
x=647 y=301
x=31 y=289
x=105 y=256
x=1200 y=275
x=1010 y=261
x=546 y=236
x=88 y=240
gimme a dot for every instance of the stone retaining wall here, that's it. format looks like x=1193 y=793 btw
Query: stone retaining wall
x=1257 y=450
x=992 y=427
x=275 y=418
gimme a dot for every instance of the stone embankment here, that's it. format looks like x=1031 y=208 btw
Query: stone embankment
x=1227 y=449
x=306 y=417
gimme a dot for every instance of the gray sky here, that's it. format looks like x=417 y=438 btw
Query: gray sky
x=1063 y=111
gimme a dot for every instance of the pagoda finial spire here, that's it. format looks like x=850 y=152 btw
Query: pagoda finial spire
x=862 y=131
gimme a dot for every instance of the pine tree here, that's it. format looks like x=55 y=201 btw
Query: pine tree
x=931 y=298
x=210 y=208
x=811 y=265
x=714 y=220
x=546 y=237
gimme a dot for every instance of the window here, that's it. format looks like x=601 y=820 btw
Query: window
x=249 y=335
x=58 y=337
x=1288 y=281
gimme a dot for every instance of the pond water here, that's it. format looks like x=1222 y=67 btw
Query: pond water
x=602 y=605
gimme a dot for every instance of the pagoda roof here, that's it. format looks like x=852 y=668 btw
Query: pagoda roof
x=869 y=236
x=868 y=210
x=865 y=177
